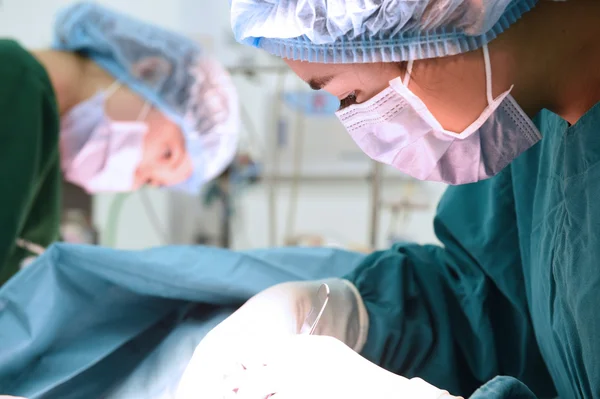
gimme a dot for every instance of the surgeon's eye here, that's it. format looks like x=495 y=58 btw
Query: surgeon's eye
x=348 y=101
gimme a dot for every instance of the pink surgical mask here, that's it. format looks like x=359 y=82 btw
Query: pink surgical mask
x=97 y=153
x=396 y=128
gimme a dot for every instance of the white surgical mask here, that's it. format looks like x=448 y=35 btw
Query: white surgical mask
x=396 y=128
x=97 y=153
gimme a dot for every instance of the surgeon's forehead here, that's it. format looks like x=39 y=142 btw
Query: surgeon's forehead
x=317 y=73
x=340 y=79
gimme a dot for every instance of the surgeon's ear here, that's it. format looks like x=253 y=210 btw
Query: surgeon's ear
x=151 y=70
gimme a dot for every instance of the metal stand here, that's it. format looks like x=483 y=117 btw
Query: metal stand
x=227 y=208
x=271 y=180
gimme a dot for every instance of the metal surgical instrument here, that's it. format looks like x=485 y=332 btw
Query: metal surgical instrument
x=322 y=293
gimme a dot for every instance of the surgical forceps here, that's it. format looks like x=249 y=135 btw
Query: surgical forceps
x=324 y=294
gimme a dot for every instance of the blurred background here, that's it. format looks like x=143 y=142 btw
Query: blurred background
x=298 y=178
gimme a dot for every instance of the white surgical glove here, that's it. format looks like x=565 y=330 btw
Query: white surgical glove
x=280 y=311
x=304 y=366
x=285 y=309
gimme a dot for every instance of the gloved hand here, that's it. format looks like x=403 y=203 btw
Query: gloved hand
x=299 y=367
x=281 y=311
x=285 y=309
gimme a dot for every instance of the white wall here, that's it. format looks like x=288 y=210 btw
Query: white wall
x=339 y=211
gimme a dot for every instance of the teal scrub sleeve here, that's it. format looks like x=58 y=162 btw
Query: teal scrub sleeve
x=504 y=388
x=455 y=315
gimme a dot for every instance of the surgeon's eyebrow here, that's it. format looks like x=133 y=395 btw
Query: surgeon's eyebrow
x=319 y=83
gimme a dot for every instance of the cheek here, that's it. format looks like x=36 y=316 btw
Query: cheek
x=184 y=170
x=152 y=147
x=455 y=96
x=124 y=105
x=372 y=79
x=163 y=136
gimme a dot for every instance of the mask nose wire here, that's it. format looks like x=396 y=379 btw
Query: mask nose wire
x=488 y=74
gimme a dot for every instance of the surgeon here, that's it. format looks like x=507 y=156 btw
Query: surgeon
x=498 y=98
x=116 y=104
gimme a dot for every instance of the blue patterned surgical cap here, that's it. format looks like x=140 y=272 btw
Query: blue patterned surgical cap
x=168 y=70
x=360 y=31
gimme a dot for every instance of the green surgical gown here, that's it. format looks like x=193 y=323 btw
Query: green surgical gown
x=514 y=290
x=30 y=176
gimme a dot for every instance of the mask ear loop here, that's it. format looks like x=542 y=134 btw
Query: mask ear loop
x=144 y=112
x=116 y=85
x=408 y=73
x=488 y=74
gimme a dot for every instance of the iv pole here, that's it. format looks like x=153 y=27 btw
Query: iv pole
x=272 y=142
x=375 y=203
x=375 y=177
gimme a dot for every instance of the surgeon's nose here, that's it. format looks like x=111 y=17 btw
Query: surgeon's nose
x=172 y=156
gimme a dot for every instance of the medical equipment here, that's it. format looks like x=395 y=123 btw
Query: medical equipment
x=323 y=295
x=75 y=228
x=108 y=236
x=306 y=147
x=313 y=103
x=242 y=173
x=298 y=150
x=375 y=204
x=272 y=155
x=400 y=213
x=274 y=161
x=155 y=222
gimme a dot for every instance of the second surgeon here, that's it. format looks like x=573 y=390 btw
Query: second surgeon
x=115 y=105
